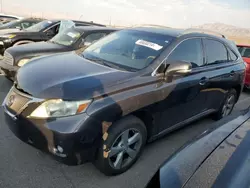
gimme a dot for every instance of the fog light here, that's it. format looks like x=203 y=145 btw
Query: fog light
x=60 y=149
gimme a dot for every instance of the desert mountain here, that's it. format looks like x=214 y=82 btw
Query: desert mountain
x=226 y=29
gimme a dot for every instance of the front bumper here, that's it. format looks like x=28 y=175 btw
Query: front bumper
x=72 y=140
x=4 y=44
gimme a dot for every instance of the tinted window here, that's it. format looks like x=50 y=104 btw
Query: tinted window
x=190 y=51
x=40 y=26
x=94 y=36
x=245 y=52
x=216 y=52
x=128 y=49
x=240 y=49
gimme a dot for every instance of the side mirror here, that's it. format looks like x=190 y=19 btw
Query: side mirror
x=177 y=69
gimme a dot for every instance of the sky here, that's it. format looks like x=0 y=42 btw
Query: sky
x=172 y=13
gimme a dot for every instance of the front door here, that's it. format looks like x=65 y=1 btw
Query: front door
x=186 y=99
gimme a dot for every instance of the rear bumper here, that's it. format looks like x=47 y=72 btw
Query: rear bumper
x=247 y=79
x=72 y=140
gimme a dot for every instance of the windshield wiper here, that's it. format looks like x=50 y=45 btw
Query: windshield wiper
x=106 y=63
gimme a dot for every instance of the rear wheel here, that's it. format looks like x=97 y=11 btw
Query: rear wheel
x=122 y=147
x=227 y=106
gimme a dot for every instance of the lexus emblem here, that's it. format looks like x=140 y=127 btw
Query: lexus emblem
x=11 y=100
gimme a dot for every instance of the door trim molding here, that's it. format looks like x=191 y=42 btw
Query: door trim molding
x=181 y=124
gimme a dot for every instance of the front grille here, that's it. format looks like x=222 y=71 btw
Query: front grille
x=16 y=101
x=8 y=59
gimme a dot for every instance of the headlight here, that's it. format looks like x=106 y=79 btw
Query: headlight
x=59 y=108
x=22 y=62
x=8 y=36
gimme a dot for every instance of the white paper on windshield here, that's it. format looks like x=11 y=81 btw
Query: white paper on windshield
x=72 y=35
x=149 y=44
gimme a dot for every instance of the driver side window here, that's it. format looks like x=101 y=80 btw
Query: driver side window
x=190 y=51
x=53 y=30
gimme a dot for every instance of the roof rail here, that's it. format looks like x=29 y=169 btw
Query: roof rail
x=151 y=25
x=191 y=30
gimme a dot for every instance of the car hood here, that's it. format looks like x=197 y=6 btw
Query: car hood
x=23 y=33
x=6 y=31
x=67 y=76
x=36 y=49
x=181 y=167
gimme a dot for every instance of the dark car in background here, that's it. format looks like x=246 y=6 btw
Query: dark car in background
x=7 y=18
x=19 y=24
x=218 y=158
x=245 y=53
x=69 y=40
x=41 y=31
x=131 y=87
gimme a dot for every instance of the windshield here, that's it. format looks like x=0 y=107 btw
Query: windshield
x=66 y=37
x=39 y=26
x=128 y=48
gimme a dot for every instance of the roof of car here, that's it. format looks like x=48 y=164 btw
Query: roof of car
x=79 y=22
x=94 y=28
x=160 y=30
x=174 y=32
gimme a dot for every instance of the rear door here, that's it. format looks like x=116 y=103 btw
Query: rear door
x=221 y=72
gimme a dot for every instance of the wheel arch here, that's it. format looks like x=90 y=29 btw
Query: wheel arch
x=238 y=89
x=20 y=42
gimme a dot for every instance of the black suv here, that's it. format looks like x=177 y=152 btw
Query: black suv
x=41 y=31
x=69 y=40
x=131 y=87
x=19 y=24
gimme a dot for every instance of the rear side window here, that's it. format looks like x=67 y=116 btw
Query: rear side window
x=232 y=55
x=216 y=52
x=190 y=51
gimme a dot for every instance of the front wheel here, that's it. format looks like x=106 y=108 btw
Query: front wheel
x=122 y=146
x=227 y=106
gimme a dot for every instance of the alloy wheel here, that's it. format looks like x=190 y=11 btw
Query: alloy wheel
x=228 y=106
x=125 y=148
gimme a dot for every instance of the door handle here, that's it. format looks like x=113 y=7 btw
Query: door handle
x=232 y=73
x=203 y=81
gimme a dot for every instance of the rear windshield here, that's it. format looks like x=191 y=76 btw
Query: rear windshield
x=40 y=26
x=129 y=49
x=244 y=51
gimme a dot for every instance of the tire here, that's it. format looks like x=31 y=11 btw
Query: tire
x=221 y=112
x=108 y=164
